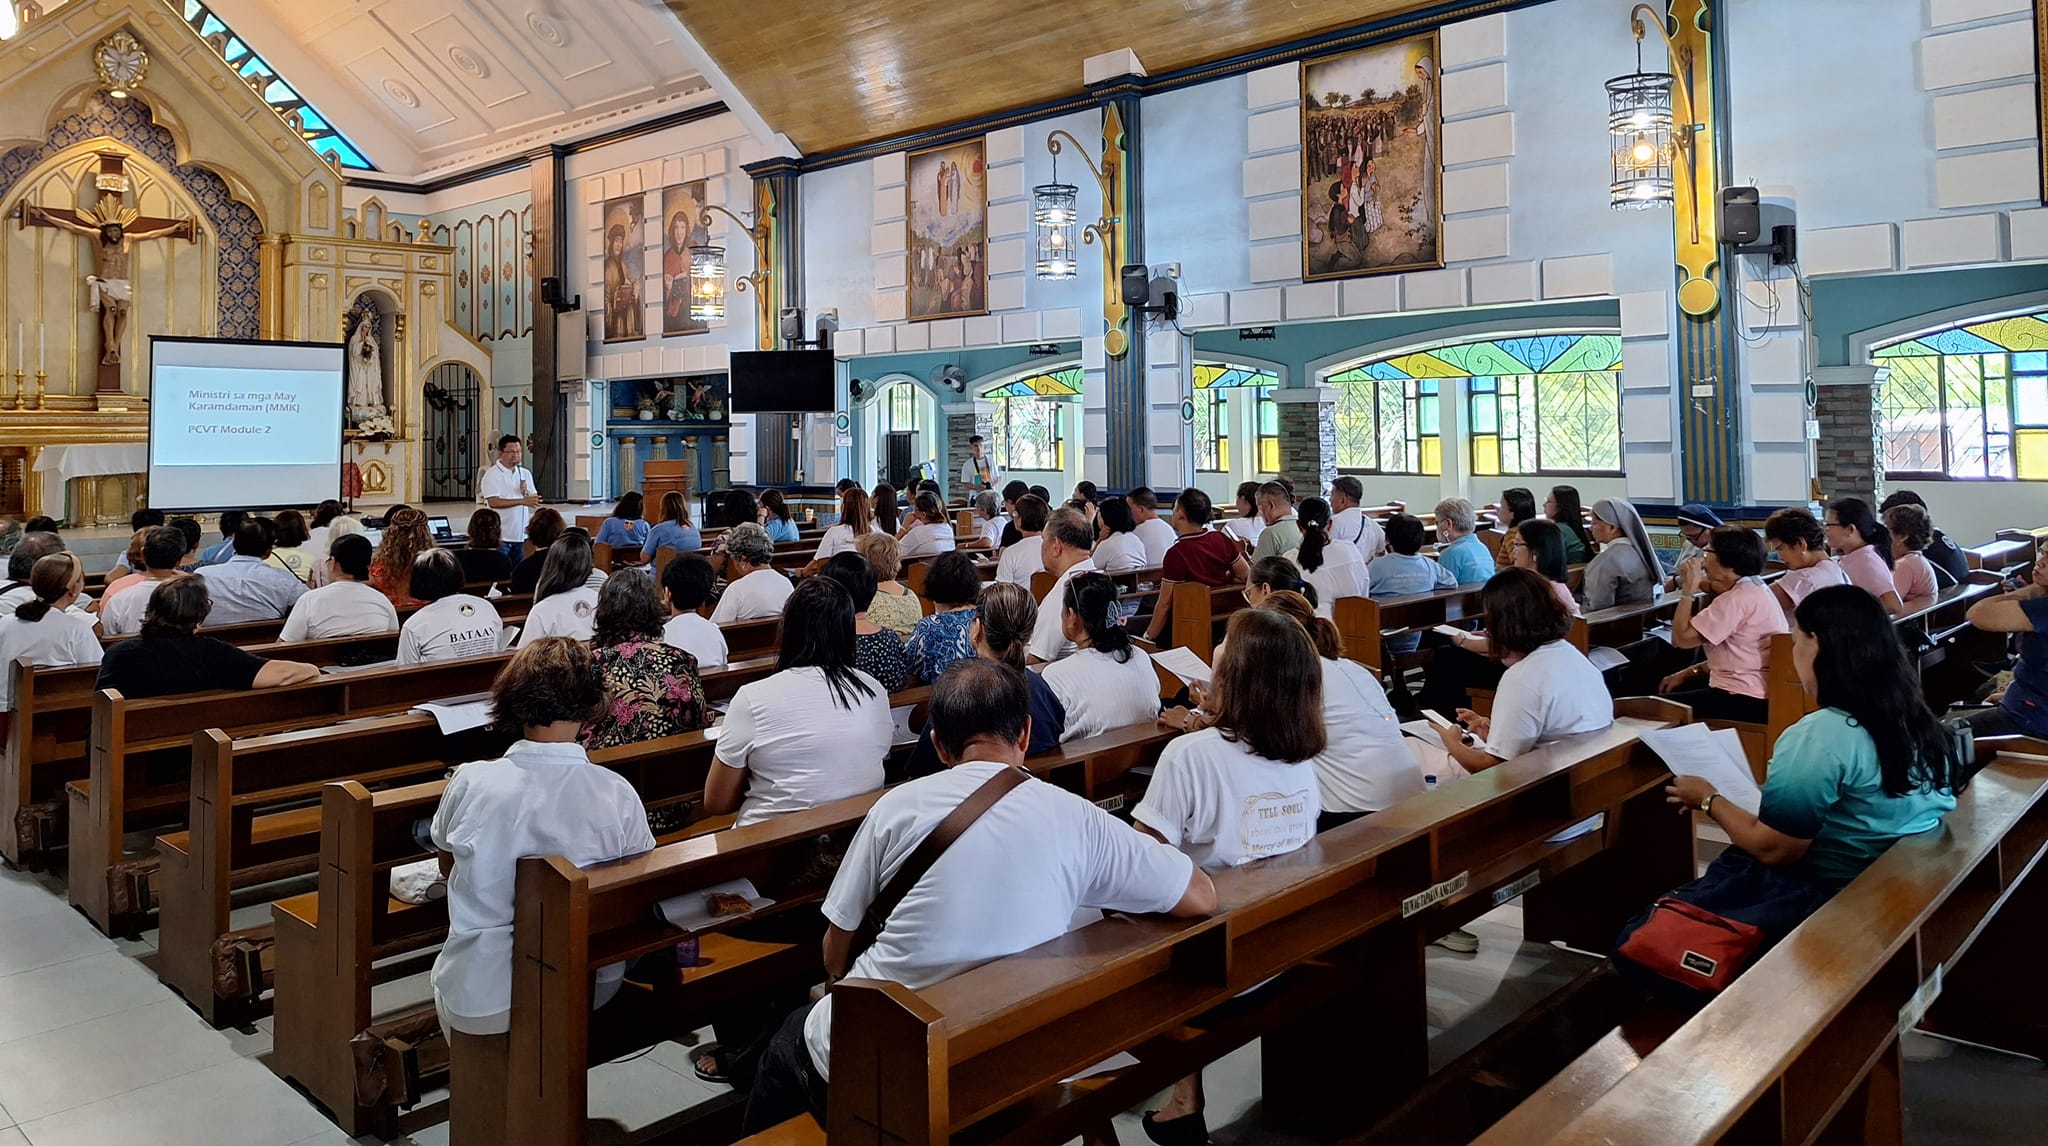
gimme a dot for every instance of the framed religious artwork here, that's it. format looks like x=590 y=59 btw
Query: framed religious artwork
x=682 y=212
x=625 y=268
x=1372 y=161
x=946 y=211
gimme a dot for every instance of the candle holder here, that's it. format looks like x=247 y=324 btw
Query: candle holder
x=7 y=399
x=40 y=379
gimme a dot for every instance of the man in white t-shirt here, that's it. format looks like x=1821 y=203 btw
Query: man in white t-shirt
x=508 y=488
x=1155 y=531
x=977 y=472
x=1069 y=542
x=1026 y=555
x=162 y=550
x=754 y=588
x=345 y=606
x=1015 y=879
x=1348 y=521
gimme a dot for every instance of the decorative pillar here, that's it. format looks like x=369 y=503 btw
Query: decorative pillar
x=1308 y=436
x=551 y=452
x=776 y=201
x=963 y=421
x=1122 y=338
x=1851 y=443
x=1708 y=401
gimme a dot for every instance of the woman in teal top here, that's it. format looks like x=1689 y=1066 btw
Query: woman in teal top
x=1873 y=765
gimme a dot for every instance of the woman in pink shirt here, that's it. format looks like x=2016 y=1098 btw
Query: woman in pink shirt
x=1864 y=550
x=1736 y=629
x=1912 y=573
x=1796 y=537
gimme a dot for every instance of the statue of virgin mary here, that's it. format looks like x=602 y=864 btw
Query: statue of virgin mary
x=365 y=373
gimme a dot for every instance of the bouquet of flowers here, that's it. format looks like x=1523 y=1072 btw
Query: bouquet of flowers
x=376 y=427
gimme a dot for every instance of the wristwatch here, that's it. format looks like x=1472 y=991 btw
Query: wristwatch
x=1707 y=805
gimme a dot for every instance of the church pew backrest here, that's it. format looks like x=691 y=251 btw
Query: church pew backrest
x=1199 y=614
x=1369 y=621
x=1358 y=903
x=47 y=735
x=1819 y=1016
x=140 y=757
x=2000 y=555
x=511 y=608
x=614 y=901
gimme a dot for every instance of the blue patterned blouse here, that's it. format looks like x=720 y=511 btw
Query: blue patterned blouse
x=938 y=641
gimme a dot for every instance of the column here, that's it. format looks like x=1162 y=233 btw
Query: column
x=1851 y=431
x=776 y=201
x=1125 y=430
x=1710 y=433
x=1308 y=436
x=963 y=421
x=551 y=452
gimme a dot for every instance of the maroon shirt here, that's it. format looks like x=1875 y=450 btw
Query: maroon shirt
x=1204 y=557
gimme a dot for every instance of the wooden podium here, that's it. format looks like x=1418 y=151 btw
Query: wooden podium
x=657 y=478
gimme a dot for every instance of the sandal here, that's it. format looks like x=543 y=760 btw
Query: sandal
x=717 y=1076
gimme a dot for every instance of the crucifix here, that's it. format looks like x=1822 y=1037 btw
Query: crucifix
x=114 y=227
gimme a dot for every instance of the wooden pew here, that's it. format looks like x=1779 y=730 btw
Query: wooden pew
x=327 y=942
x=1372 y=620
x=249 y=825
x=553 y=1040
x=1998 y=556
x=1200 y=613
x=141 y=754
x=512 y=609
x=1330 y=936
x=46 y=745
x=1804 y=1046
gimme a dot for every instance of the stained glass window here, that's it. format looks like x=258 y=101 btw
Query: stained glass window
x=1968 y=401
x=1214 y=383
x=1029 y=419
x=263 y=79
x=1546 y=404
x=1028 y=435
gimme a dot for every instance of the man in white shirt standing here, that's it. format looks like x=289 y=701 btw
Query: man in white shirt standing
x=977 y=472
x=1031 y=861
x=1068 y=547
x=508 y=488
x=1154 y=531
x=1349 y=522
x=345 y=606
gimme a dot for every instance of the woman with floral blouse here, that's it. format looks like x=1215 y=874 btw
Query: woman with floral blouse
x=651 y=689
x=952 y=586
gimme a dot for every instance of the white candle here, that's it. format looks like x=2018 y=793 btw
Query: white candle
x=20 y=348
x=42 y=345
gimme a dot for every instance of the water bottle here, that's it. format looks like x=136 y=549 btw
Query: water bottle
x=1429 y=781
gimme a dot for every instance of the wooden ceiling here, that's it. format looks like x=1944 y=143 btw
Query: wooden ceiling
x=830 y=76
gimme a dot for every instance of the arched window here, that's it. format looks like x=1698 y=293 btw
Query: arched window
x=1028 y=420
x=898 y=408
x=1968 y=401
x=1215 y=384
x=1540 y=405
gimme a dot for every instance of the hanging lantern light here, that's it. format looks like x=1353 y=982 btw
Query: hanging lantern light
x=707 y=283
x=1052 y=209
x=1639 y=129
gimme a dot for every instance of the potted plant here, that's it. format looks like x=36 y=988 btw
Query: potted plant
x=646 y=409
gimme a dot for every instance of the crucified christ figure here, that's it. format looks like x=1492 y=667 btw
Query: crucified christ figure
x=114 y=229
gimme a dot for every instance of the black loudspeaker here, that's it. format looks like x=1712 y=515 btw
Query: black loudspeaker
x=551 y=296
x=1741 y=216
x=1137 y=284
x=792 y=324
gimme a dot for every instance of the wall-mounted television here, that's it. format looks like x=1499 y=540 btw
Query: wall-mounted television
x=783 y=382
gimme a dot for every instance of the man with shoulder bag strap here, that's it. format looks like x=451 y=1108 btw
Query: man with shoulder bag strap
x=953 y=870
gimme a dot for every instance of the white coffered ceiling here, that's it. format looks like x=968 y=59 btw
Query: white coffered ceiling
x=429 y=88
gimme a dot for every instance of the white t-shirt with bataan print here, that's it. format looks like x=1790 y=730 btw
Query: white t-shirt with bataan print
x=1224 y=805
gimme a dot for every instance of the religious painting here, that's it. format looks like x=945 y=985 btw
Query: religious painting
x=1372 y=161
x=682 y=209
x=947 y=212
x=625 y=269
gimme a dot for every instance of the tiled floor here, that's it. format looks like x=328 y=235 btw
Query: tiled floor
x=94 y=1052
